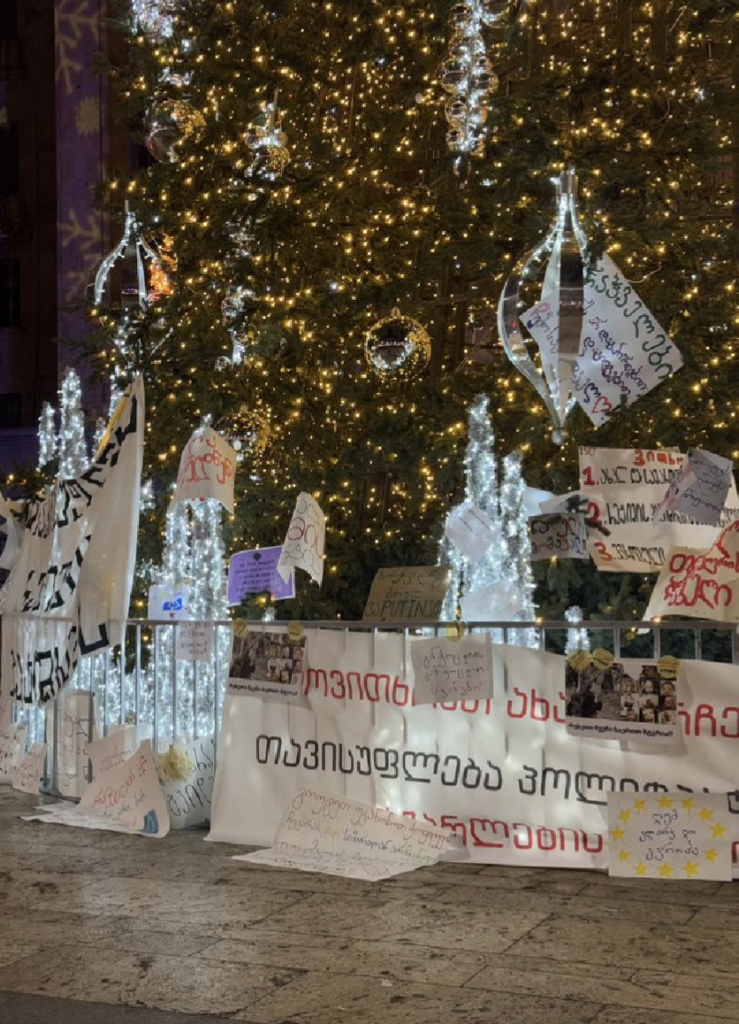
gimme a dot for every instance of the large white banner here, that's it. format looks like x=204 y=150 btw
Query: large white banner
x=502 y=773
x=69 y=591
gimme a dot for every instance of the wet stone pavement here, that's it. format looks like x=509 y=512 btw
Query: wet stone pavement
x=98 y=928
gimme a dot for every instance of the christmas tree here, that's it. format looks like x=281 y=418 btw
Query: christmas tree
x=318 y=165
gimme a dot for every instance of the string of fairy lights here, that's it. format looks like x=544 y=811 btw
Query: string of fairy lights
x=360 y=135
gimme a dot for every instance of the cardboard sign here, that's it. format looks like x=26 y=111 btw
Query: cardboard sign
x=700 y=584
x=412 y=594
x=624 y=352
x=445 y=670
x=305 y=540
x=558 y=536
x=332 y=835
x=207 y=469
x=669 y=835
x=255 y=572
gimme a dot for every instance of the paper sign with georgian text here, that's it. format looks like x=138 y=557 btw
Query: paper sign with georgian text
x=623 y=487
x=624 y=352
x=700 y=584
x=112 y=750
x=701 y=489
x=189 y=798
x=412 y=594
x=12 y=739
x=207 y=469
x=255 y=572
x=672 y=836
x=27 y=776
x=128 y=799
x=447 y=670
x=304 y=541
x=194 y=641
x=558 y=536
x=471 y=530
x=333 y=835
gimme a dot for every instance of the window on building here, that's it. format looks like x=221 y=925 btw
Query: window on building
x=10 y=410
x=10 y=293
x=8 y=160
x=8 y=19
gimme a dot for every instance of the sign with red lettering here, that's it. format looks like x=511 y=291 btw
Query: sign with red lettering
x=207 y=469
x=700 y=584
x=27 y=776
x=623 y=488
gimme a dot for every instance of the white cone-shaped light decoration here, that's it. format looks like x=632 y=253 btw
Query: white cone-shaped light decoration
x=540 y=312
x=122 y=280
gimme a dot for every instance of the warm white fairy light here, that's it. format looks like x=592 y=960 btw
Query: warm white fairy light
x=155 y=17
x=516 y=565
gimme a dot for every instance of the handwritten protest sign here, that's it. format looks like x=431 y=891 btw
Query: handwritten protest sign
x=700 y=584
x=207 y=469
x=12 y=739
x=169 y=603
x=471 y=530
x=112 y=750
x=189 y=797
x=128 y=798
x=413 y=594
x=558 y=536
x=267 y=663
x=255 y=572
x=446 y=670
x=700 y=489
x=333 y=835
x=624 y=352
x=27 y=775
x=194 y=641
x=304 y=541
x=669 y=835
x=542 y=322
x=77 y=725
x=623 y=487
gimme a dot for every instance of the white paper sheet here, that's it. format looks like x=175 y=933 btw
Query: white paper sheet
x=471 y=530
x=333 y=835
x=207 y=469
x=448 y=670
x=305 y=540
x=27 y=776
x=701 y=489
x=194 y=641
x=112 y=750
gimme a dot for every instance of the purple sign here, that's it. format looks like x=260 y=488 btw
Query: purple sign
x=253 y=572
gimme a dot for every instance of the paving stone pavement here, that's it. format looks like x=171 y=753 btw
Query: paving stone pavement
x=98 y=928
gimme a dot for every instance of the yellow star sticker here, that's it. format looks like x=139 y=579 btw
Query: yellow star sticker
x=666 y=801
x=640 y=805
x=618 y=834
x=666 y=871
x=719 y=831
x=641 y=868
x=706 y=813
x=692 y=868
x=624 y=855
x=689 y=804
x=625 y=816
x=711 y=855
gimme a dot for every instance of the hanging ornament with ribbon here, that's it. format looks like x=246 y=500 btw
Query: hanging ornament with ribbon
x=554 y=316
x=268 y=143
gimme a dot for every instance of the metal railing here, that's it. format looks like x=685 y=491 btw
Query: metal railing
x=174 y=700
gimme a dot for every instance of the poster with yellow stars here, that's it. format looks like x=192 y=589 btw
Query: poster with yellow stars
x=669 y=835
